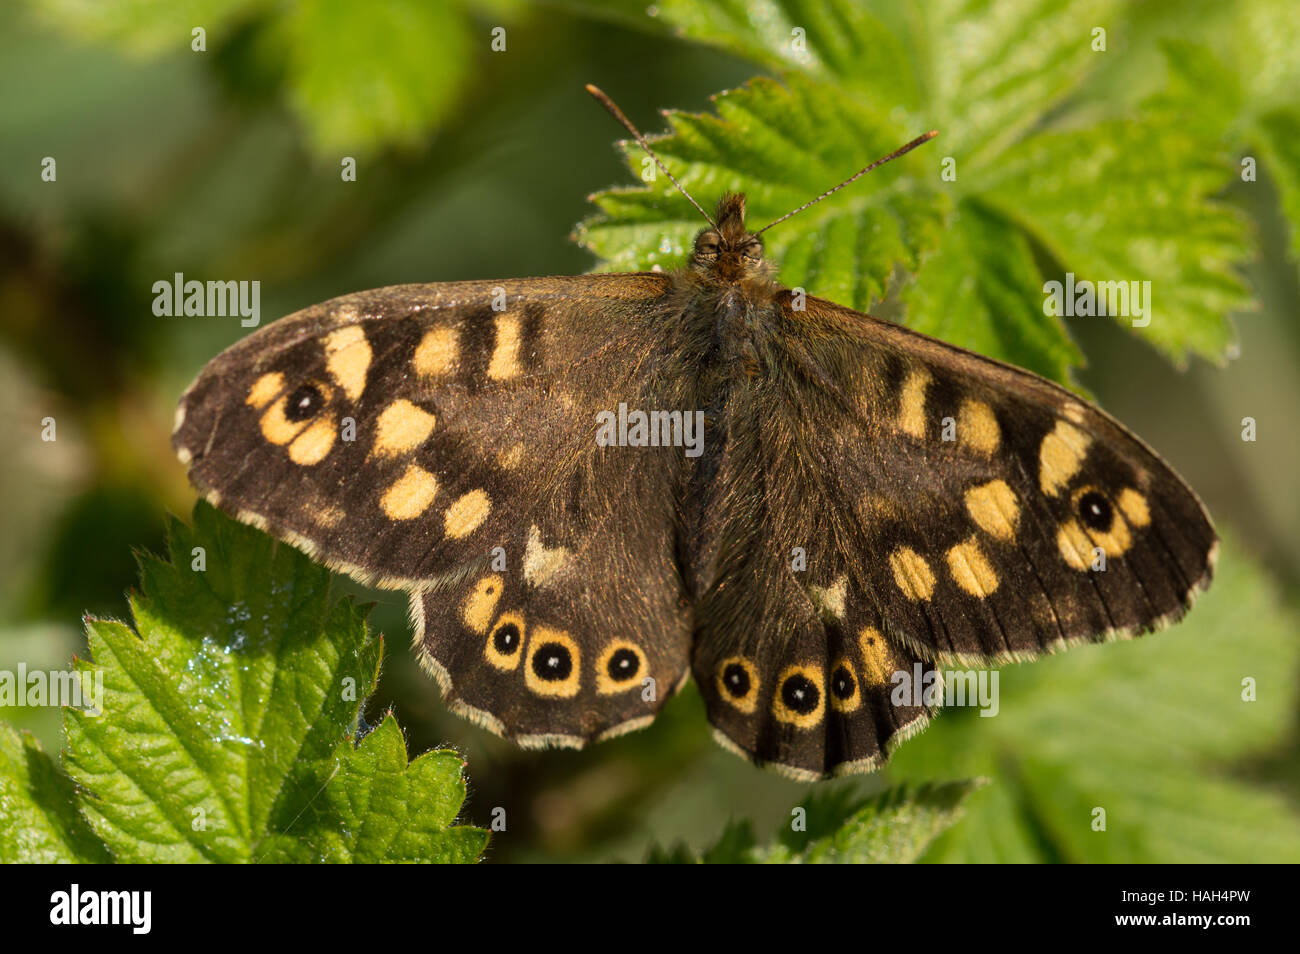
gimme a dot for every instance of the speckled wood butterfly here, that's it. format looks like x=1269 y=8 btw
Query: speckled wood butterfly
x=865 y=500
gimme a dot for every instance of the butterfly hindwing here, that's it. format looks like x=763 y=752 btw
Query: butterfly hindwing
x=572 y=643
x=823 y=701
x=960 y=511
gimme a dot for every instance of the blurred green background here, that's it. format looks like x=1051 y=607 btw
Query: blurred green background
x=475 y=163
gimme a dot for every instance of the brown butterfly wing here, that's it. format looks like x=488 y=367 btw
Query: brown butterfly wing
x=440 y=439
x=954 y=505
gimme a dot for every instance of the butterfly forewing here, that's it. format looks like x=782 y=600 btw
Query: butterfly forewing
x=1006 y=516
x=438 y=438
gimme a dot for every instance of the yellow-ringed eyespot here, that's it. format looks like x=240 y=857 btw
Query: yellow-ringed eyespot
x=738 y=683
x=845 y=694
x=619 y=667
x=799 y=700
x=505 y=642
x=304 y=403
x=554 y=666
x=1095 y=511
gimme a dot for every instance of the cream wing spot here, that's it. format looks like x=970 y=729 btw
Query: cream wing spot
x=912 y=574
x=505 y=356
x=977 y=427
x=541 y=563
x=347 y=359
x=971 y=569
x=911 y=404
x=466 y=513
x=410 y=495
x=1060 y=456
x=437 y=352
x=325 y=516
x=994 y=509
x=831 y=599
x=512 y=457
x=402 y=427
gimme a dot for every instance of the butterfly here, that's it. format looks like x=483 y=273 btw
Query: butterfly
x=858 y=503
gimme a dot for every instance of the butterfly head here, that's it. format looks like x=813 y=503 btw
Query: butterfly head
x=730 y=251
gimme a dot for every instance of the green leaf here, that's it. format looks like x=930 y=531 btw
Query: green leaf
x=389 y=811
x=361 y=76
x=895 y=827
x=1198 y=78
x=842 y=42
x=990 y=268
x=350 y=98
x=1029 y=179
x=980 y=71
x=39 y=821
x=1278 y=137
x=1240 y=114
x=146 y=27
x=227 y=707
x=1108 y=204
x=836 y=826
x=1153 y=731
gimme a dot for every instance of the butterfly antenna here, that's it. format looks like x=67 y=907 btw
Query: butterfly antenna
x=640 y=139
x=919 y=140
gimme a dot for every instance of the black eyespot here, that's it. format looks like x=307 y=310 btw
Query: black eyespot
x=304 y=403
x=623 y=665
x=552 y=662
x=800 y=694
x=1095 y=511
x=842 y=683
x=505 y=640
x=736 y=678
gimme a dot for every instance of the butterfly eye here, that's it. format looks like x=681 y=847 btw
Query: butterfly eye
x=304 y=403
x=1095 y=511
x=752 y=251
x=706 y=246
